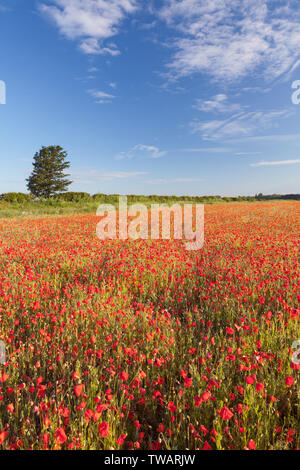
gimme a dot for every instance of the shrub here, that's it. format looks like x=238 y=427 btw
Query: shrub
x=74 y=196
x=16 y=197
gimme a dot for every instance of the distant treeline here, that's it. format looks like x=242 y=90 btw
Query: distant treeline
x=82 y=197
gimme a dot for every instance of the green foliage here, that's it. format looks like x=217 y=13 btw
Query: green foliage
x=19 y=204
x=74 y=196
x=18 y=198
x=47 y=178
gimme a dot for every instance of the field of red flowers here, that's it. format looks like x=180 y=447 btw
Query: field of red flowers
x=145 y=345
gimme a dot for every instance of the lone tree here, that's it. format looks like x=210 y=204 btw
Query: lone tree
x=47 y=178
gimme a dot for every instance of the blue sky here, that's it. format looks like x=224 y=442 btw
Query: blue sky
x=153 y=97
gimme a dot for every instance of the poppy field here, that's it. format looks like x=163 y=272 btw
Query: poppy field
x=122 y=344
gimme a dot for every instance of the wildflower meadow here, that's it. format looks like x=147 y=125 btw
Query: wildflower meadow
x=144 y=345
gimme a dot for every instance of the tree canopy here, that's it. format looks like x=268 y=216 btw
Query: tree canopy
x=48 y=178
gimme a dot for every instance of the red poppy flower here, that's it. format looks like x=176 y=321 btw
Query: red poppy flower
x=172 y=407
x=78 y=389
x=124 y=376
x=10 y=407
x=260 y=387
x=103 y=429
x=206 y=446
x=289 y=381
x=251 y=445
x=3 y=377
x=121 y=439
x=188 y=382
x=229 y=331
x=205 y=396
x=3 y=435
x=198 y=401
x=60 y=435
x=225 y=413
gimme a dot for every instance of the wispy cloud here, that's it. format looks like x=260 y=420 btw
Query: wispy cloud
x=92 y=176
x=256 y=89
x=277 y=163
x=173 y=180
x=93 y=70
x=207 y=150
x=241 y=124
x=4 y=8
x=92 y=46
x=229 y=39
x=142 y=151
x=217 y=104
x=89 y=21
x=242 y=154
x=280 y=138
x=101 y=96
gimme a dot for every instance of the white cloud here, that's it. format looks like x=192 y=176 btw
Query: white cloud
x=241 y=154
x=207 y=150
x=217 y=104
x=92 y=176
x=295 y=66
x=256 y=89
x=277 y=163
x=101 y=96
x=93 y=70
x=239 y=125
x=142 y=151
x=280 y=138
x=91 y=46
x=89 y=21
x=229 y=39
x=4 y=8
x=173 y=180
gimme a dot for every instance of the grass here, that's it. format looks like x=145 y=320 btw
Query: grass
x=56 y=206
